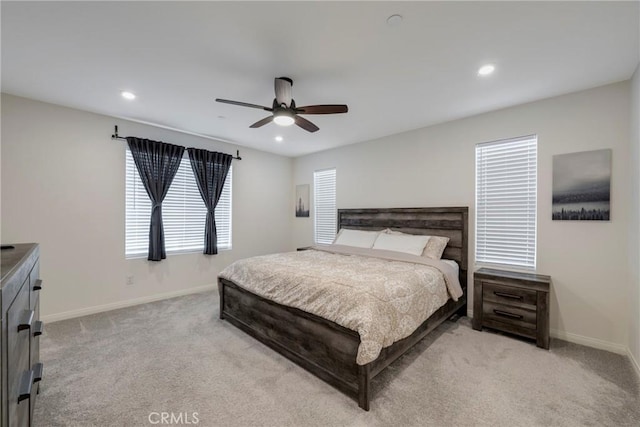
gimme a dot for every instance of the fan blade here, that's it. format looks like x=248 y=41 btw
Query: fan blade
x=322 y=109
x=306 y=124
x=243 y=104
x=283 y=90
x=262 y=122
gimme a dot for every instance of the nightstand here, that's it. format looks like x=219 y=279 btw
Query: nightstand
x=512 y=302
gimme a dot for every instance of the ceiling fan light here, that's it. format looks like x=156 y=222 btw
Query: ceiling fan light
x=283 y=119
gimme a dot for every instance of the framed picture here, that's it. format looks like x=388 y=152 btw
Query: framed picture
x=302 y=201
x=582 y=186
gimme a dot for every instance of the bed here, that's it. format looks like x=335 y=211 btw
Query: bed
x=327 y=349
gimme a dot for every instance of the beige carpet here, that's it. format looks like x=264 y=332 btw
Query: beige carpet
x=126 y=367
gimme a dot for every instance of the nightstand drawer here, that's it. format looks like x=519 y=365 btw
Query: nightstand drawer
x=509 y=295
x=509 y=314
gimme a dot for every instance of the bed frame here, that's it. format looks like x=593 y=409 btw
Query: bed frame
x=327 y=349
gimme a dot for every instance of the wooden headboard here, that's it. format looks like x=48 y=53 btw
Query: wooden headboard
x=449 y=222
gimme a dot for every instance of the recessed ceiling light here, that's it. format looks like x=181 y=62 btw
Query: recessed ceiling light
x=394 y=20
x=485 y=70
x=278 y=138
x=128 y=95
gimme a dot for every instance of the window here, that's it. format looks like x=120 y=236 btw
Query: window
x=324 y=193
x=506 y=175
x=183 y=213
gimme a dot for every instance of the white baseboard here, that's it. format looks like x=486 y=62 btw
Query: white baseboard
x=122 y=304
x=582 y=340
x=590 y=342
x=634 y=362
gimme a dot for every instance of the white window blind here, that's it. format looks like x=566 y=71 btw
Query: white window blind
x=506 y=198
x=183 y=213
x=324 y=191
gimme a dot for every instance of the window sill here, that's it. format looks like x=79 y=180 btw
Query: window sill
x=171 y=253
x=506 y=267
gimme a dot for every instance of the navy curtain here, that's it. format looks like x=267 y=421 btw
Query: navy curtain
x=157 y=164
x=210 y=170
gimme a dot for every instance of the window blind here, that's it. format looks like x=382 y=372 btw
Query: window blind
x=183 y=213
x=324 y=190
x=506 y=198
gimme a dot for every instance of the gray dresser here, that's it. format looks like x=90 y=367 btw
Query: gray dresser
x=21 y=370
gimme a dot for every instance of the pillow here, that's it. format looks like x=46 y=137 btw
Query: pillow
x=390 y=231
x=357 y=238
x=401 y=243
x=435 y=246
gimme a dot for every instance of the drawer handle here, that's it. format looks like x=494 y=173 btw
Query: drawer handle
x=25 y=386
x=38 y=285
x=38 y=328
x=505 y=295
x=26 y=320
x=38 y=369
x=507 y=314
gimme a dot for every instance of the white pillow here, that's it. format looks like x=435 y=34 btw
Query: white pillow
x=435 y=246
x=357 y=238
x=401 y=243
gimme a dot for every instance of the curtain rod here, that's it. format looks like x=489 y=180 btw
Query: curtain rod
x=116 y=136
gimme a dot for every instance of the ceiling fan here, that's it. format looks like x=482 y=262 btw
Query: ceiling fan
x=285 y=112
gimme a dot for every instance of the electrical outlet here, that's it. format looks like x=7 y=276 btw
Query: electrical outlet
x=129 y=281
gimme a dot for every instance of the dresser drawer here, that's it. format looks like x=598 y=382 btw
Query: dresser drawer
x=508 y=314
x=36 y=331
x=509 y=295
x=34 y=286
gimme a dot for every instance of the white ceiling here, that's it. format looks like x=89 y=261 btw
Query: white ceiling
x=178 y=57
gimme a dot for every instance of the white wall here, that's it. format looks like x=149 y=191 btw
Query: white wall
x=434 y=166
x=634 y=240
x=63 y=182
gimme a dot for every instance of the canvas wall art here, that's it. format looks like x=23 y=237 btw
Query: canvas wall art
x=302 y=201
x=582 y=186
